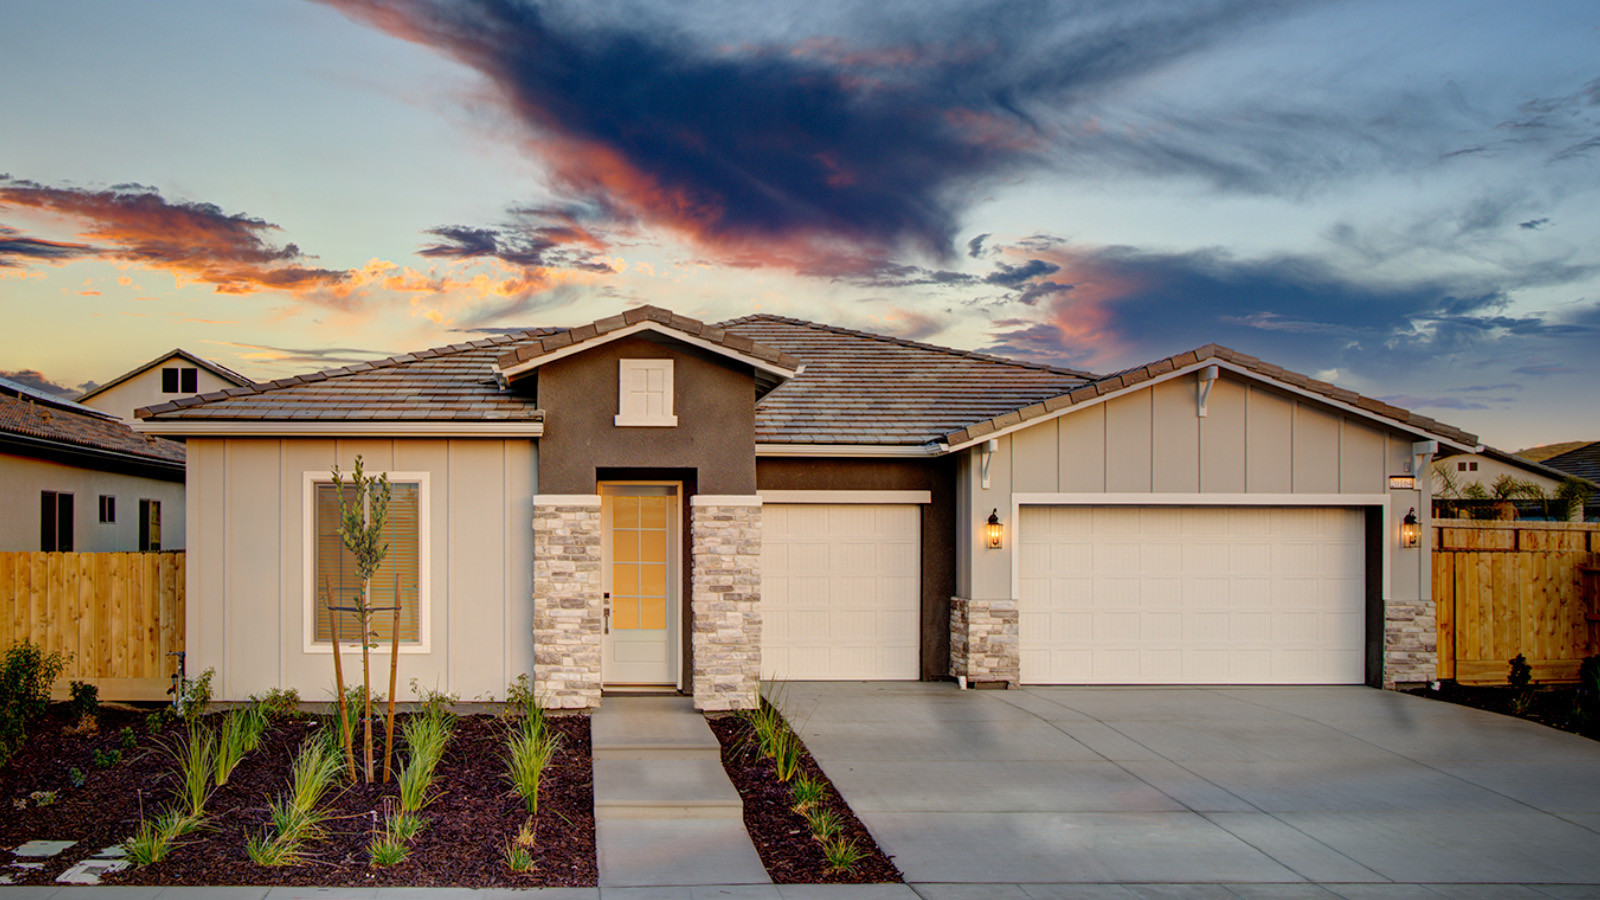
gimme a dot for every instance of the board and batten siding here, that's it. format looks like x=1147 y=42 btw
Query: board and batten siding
x=246 y=575
x=1254 y=440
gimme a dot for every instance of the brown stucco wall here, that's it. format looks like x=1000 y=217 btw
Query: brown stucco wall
x=936 y=476
x=713 y=398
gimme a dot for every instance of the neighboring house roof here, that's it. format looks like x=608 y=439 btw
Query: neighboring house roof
x=1511 y=459
x=861 y=388
x=17 y=388
x=1583 y=462
x=456 y=383
x=223 y=372
x=54 y=429
x=772 y=367
x=1211 y=353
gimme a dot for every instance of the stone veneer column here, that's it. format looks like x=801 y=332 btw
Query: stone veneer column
x=1410 y=642
x=566 y=600
x=725 y=600
x=983 y=641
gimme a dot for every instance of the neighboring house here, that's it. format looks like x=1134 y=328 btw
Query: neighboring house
x=78 y=479
x=174 y=374
x=1583 y=462
x=649 y=501
x=1490 y=465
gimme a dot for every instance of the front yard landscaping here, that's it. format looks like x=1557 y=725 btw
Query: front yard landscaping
x=470 y=827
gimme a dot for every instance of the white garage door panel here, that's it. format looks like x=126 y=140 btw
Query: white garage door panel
x=840 y=591
x=1191 y=595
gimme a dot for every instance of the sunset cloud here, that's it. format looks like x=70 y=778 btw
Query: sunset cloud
x=134 y=224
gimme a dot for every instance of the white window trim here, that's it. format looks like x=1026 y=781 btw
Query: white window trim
x=626 y=366
x=308 y=529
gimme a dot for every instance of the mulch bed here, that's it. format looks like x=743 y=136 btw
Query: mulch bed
x=1558 y=705
x=469 y=821
x=780 y=834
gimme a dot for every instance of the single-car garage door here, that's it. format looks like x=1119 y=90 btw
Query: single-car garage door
x=1191 y=595
x=839 y=591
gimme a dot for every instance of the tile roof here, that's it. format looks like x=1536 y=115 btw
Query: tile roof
x=532 y=350
x=1511 y=459
x=1583 y=462
x=1139 y=374
x=24 y=416
x=216 y=369
x=455 y=383
x=863 y=388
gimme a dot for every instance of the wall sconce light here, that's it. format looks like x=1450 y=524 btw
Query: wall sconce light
x=1410 y=530
x=993 y=531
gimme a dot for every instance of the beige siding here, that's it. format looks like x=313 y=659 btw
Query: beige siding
x=1268 y=443
x=1316 y=451
x=1037 y=459
x=247 y=575
x=1128 y=442
x=1175 y=437
x=1222 y=438
x=1362 y=469
x=25 y=477
x=1083 y=450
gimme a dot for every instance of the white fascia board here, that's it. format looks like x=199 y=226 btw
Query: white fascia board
x=1324 y=399
x=339 y=428
x=576 y=348
x=919 y=451
x=1130 y=499
x=848 y=497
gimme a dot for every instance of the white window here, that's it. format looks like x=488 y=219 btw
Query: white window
x=332 y=582
x=645 y=393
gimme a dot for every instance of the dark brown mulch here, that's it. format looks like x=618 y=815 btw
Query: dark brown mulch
x=469 y=821
x=780 y=834
x=1559 y=706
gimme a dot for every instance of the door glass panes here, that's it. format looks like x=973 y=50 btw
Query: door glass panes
x=639 y=563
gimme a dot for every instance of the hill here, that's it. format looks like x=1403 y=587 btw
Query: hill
x=1545 y=451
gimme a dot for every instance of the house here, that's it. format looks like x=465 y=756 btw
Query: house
x=648 y=501
x=1583 y=462
x=77 y=479
x=176 y=373
x=1455 y=474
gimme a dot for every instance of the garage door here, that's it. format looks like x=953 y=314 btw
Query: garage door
x=839 y=591
x=1191 y=595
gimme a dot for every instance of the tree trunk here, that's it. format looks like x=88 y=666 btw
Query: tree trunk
x=366 y=675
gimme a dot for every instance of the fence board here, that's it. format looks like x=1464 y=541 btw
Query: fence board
x=120 y=615
x=1509 y=588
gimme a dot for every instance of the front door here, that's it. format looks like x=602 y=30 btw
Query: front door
x=639 y=575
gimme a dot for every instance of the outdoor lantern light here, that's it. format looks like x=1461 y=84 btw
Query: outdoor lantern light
x=993 y=531
x=1410 y=530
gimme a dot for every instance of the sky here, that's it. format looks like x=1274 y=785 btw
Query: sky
x=1399 y=197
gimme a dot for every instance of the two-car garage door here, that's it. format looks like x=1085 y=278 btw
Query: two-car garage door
x=1191 y=595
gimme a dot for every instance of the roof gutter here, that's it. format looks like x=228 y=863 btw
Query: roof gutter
x=339 y=428
x=87 y=457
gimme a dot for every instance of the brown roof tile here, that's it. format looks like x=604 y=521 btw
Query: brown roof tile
x=56 y=424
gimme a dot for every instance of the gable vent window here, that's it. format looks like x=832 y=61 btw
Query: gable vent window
x=645 y=393
x=180 y=380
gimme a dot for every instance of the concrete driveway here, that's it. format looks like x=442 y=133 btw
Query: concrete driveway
x=1248 y=785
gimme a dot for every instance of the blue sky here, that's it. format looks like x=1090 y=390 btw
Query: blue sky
x=1398 y=197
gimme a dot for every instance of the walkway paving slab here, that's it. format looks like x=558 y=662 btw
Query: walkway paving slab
x=653 y=788
x=666 y=852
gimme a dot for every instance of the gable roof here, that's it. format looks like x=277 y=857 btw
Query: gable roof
x=1511 y=459
x=54 y=429
x=862 y=388
x=1583 y=462
x=223 y=372
x=772 y=367
x=455 y=384
x=1162 y=369
x=18 y=389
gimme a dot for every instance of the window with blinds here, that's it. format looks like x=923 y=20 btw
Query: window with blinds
x=335 y=581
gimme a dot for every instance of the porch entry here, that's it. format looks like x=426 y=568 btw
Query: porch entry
x=640 y=558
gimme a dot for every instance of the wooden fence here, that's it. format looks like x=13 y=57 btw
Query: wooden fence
x=1504 y=588
x=119 y=615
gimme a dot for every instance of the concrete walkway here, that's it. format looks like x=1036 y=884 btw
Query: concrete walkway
x=1367 y=793
x=665 y=812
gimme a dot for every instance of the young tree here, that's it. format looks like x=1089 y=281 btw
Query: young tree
x=361 y=519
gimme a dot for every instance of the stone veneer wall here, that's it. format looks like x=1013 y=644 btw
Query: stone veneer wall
x=1410 y=642
x=983 y=641
x=725 y=600
x=566 y=600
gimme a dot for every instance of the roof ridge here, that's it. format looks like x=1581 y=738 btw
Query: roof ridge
x=262 y=387
x=906 y=342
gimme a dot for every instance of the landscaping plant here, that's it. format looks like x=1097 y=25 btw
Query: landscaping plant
x=26 y=674
x=519 y=849
x=531 y=746
x=85 y=703
x=361 y=519
x=426 y=734
x=842 y=855
x=195 y=757
x=295 y=817
x=240 y=734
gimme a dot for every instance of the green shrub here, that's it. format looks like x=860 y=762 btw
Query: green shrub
x=85 y=699
x=195 y=758
x=126 y=739
x=806 y=793
x=240 y=734
x=387 y=850
x=824 y=824
x=278 y=703
x=195 y=695
x=531 y=746
x=842 y=855
x=26 y=674
x=75 y=777
x=1521 y=674
x=105 y=759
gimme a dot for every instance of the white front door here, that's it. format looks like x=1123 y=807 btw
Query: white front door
x=639 y=575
